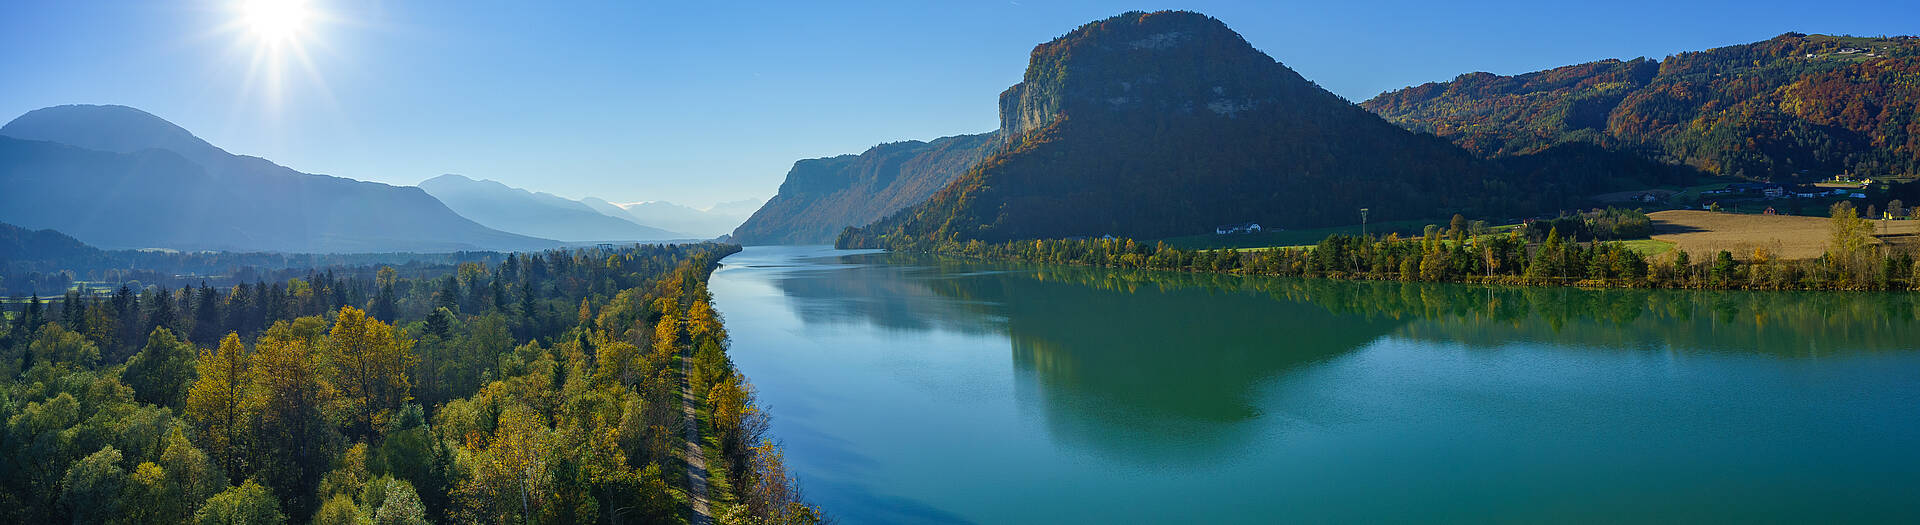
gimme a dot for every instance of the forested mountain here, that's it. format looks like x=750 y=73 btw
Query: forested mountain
x=18 y=243
x=118 y=177
x=1792 y=107
x=1163 y=124
x=545 y=215
x=823 y=196
x=696 y=223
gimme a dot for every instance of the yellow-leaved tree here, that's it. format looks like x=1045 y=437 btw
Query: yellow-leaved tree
x=220 y=402
x=295 y=441
x=367 y=362
x=512 y=469
x=1852 y=238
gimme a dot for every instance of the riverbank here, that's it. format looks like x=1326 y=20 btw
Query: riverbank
x=735 y=473
x=1504 y=259
x=1594 y=249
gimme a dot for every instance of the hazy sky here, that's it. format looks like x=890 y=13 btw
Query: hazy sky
x=698 y=102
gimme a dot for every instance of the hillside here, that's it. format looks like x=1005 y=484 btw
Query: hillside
x=118 y=177
x=823 y=196
x=18 y=243
x=1792 y=107
x=1153 y=125
x=543 y=215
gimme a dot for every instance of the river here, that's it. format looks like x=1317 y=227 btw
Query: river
x=913 y=389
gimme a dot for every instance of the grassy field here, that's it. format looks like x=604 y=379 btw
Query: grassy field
x=1698 y=232
x=1287 y=238
x=1792 y=237
x=1648 y=247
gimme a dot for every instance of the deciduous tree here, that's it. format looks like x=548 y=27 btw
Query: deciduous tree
x=220 y=404
x=163 y=370
x=369 y=363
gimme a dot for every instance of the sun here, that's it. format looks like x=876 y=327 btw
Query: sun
x=274 y=21
x=277 y=42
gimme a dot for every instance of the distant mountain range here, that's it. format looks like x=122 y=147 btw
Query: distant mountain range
x=118 y=177
x=545 y=215
x=737 y=208
x=821 y=197
x=1795 y=107
x=704 y=224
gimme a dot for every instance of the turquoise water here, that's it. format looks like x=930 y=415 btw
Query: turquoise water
x=923 y=390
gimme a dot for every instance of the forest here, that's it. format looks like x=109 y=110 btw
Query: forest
x=49 y=262
x=546 y=388
x=1567 y=251
x=1794 y=107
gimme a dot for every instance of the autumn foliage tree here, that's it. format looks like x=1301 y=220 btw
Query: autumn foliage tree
x=220 y=403
x=368 y=361
x=296 y=442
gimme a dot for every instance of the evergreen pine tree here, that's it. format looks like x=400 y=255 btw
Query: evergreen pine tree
x=162 y=315
x=206 y=316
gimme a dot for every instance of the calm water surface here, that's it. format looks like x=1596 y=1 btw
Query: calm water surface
x=909 y=389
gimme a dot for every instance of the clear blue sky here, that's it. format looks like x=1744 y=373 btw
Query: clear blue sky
x=697 y=102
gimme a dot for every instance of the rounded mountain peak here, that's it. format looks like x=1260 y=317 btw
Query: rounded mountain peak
x=118 y=129
x=1149 y=30
x=1169 y=63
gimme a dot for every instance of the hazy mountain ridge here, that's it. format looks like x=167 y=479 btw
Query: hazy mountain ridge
x=118 y=177
x=607 y=208
x=1818 y=103
x=539 y=214
x=822 y=196
x=704 y=224
x=740 y=208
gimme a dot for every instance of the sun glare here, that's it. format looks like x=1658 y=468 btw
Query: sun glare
x=277 y=39
x=274 y=21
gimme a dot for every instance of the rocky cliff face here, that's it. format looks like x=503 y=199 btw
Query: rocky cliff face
x=1165 y=63
x=823 y=196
